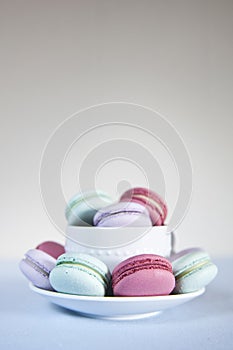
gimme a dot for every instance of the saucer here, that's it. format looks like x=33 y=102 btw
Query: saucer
x=116 y=308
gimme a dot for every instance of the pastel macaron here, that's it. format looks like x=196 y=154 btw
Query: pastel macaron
x=82 y=207
x=122 y=214
x=80 y=274
x=152 y=201
x=36 y=266
x=143 y=275
x=193 y=270
x=52 y=248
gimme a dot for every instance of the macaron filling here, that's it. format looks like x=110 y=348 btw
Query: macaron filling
x=181 y=264
x=146 y=265
x=86 y=268
x=36 y=266
x=193 y=268
x=151 y=202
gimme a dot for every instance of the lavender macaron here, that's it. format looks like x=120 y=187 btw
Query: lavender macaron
x=36 y=266
x=122 y=214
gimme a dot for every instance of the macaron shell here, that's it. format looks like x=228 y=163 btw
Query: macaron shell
x=125 y=219
x=145 y=283
x=86 y=260
x=81 y=215
x=122 y=214
x=86 y=196
x=35 y=262
x=73 y=280
x=140 y=260
x=52 y=248
x=196 y=279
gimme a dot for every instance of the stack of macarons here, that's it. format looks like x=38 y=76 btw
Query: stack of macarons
x=136 y=207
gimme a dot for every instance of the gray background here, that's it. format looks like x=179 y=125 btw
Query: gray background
x=60 y=56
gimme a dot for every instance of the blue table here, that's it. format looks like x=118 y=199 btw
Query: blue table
x=29 y=321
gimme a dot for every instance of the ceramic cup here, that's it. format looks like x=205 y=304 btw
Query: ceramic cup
x=115 y=244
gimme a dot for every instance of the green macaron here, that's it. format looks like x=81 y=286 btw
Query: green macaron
x=81 y=274
x=82 y=207
x=193 y=270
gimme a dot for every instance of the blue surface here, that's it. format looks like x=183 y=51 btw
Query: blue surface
x=28 y=321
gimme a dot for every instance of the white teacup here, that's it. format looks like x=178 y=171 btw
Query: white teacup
x=115 y=244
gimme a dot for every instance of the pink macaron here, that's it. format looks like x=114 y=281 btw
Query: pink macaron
x=143 y=275
x=52 y=248
x=152 y=201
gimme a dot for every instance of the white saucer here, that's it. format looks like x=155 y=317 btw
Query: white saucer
x=118 y=308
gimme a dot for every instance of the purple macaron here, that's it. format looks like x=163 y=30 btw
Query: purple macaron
x=122 y=214
x=36 y=266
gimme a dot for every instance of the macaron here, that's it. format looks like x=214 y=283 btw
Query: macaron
x=193 y=270
x=36 y=266
x=82 y=207
x=122 y=214
x=143 y=275
x=81 y=274
x=52 y=248
x=152 y=201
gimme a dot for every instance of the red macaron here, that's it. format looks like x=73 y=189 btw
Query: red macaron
x=52 y=248
x=152 y=201
x=143 y=275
